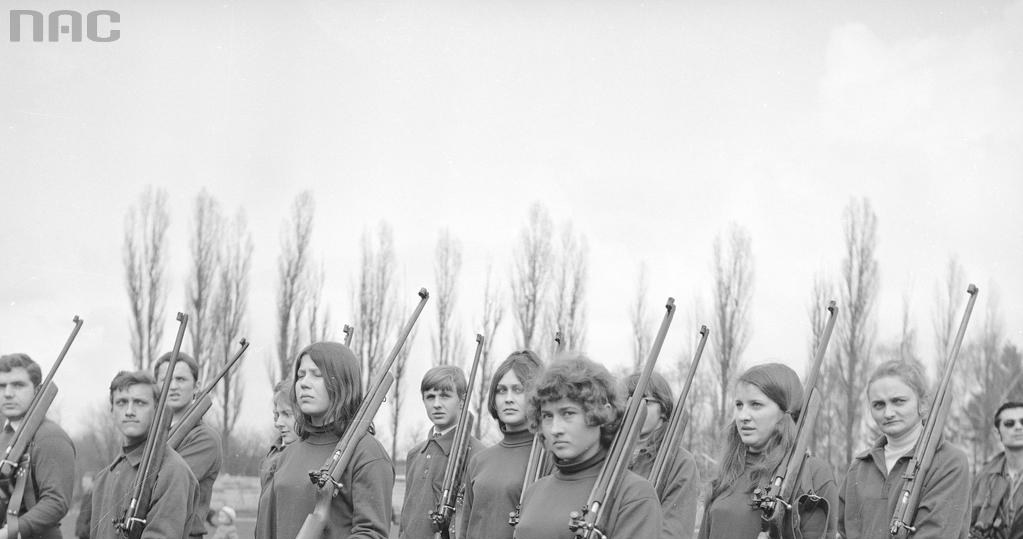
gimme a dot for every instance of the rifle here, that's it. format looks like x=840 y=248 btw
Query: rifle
x=775 y=501
x=445 y=510
x=923 y=455
x=348 y=331
x=133 y=520
x=588 y=522
x=328 y=478
x=676 y=425
x=195 y=411
x=16 y=459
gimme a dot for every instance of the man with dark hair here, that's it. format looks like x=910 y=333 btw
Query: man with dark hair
x=49 y=479
x=201 y=445
x=133 y=400
x=997 y=493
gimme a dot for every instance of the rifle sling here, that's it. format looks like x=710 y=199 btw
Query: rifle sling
x=21 y=479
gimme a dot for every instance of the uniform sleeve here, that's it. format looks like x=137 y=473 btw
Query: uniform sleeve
x=943 y=510
x=640 y=514
x=372 y=486
x=819 y=519
x=678 y=504
x=173 y=502
x=201 y=451
x=53 y=477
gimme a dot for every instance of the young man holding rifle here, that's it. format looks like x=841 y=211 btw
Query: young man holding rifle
x=48 y=482
x=201 y=446
x=133 y=402
x=998 y=489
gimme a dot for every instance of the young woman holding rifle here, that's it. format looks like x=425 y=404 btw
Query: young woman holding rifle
x=768 y=399
x=327 y=392
x=493 y=479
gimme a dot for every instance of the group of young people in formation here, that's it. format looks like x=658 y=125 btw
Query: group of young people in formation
x=575 y=406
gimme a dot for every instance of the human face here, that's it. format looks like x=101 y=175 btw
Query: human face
x=442 y=407
x=284 y=422
x=510 y=401
x=311 y=391
x=1011 y=437
x=755 y=415
x=566 y=432
x=133 y=409
x=894 y=406
x=182 y=386
x=16 y=393
x=653 y=417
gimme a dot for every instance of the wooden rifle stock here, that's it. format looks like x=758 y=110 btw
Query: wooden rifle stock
x=133 y=519
x=442 y=515
x=587 y=523
x=36 y=412
x=676 y=425
x=328 y=478
x=923 y=455
x=202 y=403
x=775 y=501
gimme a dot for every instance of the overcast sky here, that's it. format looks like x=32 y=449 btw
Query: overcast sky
x=650 y=125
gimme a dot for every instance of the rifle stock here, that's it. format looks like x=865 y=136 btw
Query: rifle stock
x=133 y=519
x=923 y=456
x=588 y=522
x=441 y=516
x=676 y=425
x=328 y=478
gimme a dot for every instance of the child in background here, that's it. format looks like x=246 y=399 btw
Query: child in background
x=225 y=524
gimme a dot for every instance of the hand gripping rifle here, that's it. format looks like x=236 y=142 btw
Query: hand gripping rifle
x=442 y=515
x=195 y=411
x=588 y=523
x=133 y=520
x=328 y=478
x=15 y=461
x=923 y=455
x=677 y=422
x=779 y=511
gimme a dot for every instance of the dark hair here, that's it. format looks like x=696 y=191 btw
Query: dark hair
x=444 y=378
x=585 y=382
x=780 y=384
x=659 y=390
x=525 y=364
x=193 y=365
x=1007 y=406
x=283 y=393
x=13 y=361
x=125 y=379
x=343 y=380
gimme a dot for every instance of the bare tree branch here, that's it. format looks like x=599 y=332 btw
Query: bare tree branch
x=145 y=260
x=447 y=264
x=205 y=247
x=493 y=313
x=639 y=316
x=568 y=304
x=532 y=270
x=375 y=317
x=733 y=296
x=296 y=232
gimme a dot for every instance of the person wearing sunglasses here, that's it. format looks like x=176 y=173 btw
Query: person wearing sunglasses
x=997 y=511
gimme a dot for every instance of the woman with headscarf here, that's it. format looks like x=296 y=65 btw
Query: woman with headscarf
x=327 y=394
x=767 y=402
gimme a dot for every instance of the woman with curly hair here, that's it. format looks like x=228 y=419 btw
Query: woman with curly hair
x=679 y=490
x=768 y=399
x=578 y=407
x=327 y=394
x=493 y=478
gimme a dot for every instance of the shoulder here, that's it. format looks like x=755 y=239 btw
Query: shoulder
x=993 y=465
x=369 y=448
x=52 y=434
x=948 y=454
x=174 y=467
x=201 y=433
x=635 y=487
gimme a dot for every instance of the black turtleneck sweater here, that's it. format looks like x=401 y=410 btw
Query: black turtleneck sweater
x=634 y=510
x=493 y=482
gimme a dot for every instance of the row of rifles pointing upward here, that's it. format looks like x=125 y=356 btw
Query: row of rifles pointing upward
x=775 y=501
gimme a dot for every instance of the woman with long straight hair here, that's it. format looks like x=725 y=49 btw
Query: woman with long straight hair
x=767 y=404
x=327 y=394
x=898 y=398
x=494 y=476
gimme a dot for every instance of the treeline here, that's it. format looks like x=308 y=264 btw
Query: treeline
x=545 y=291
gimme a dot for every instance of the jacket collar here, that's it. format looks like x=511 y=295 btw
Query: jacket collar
x=444 y=442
